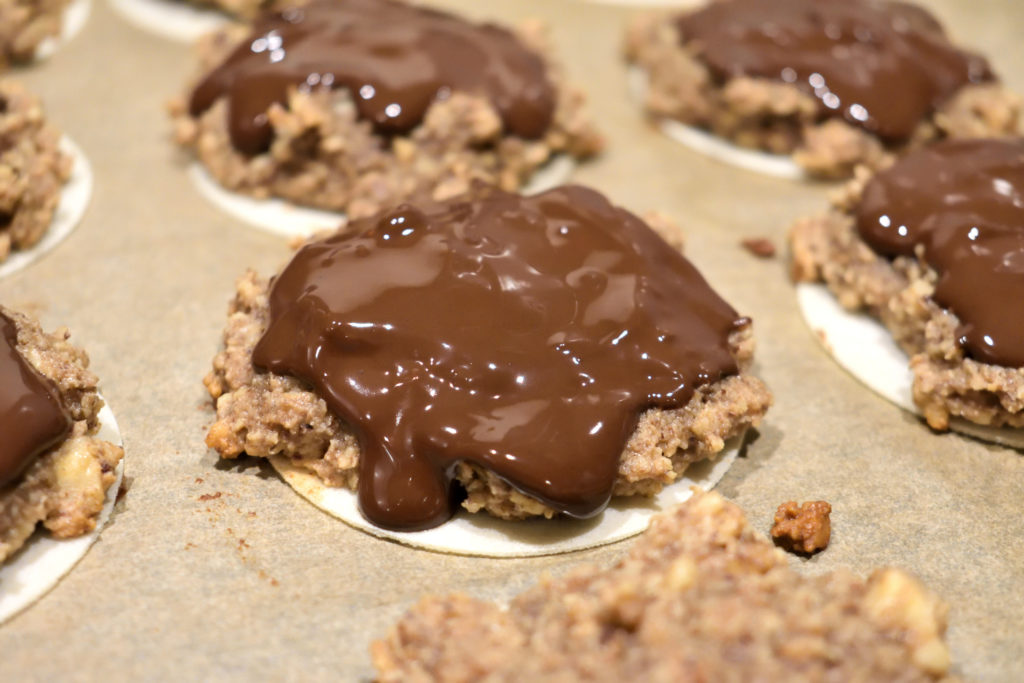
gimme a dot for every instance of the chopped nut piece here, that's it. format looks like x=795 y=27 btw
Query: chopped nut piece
x=760 y=247
x=803 y=528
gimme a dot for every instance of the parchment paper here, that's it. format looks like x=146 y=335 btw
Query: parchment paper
x=214 y=572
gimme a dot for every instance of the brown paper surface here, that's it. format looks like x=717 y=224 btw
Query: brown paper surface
x=220 y=571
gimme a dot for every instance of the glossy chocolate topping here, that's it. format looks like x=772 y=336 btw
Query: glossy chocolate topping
x=395 y=60
x=32 y=417
x=963 y=202
x=883 y=66
x=523 y=334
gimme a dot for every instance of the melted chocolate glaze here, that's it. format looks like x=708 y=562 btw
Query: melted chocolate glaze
x=962 y=201
x=883 y=66
x=395 y=59
x=522 y=334
x=32 y=417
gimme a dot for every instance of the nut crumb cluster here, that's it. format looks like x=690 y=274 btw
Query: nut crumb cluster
x=701 y=596
x=803 y=528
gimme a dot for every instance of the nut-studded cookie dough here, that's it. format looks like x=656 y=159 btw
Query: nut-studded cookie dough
x=54 y=471
x=563 y=354
x=932 y=248
x=24 y=24
x=32 y=169
x=701 y=596
x=834 y=83
x=313 y=117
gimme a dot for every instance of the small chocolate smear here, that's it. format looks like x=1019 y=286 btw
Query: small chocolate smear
x=760 y=247
x=805 y=528
x=32 y=417
x=394 y=58
x=883 y=66
x=963 y=202
x=524 y=335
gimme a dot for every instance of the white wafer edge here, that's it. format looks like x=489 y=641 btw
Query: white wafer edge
x=778 y=165
x=274 y=215
x=74 y=199
x=173 y=19
x=484 y=536
x=864 y=347
x=289 y=220
x=43 y=561
x=75 y=17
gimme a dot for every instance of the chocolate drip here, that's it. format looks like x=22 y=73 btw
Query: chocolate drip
x=32 y=417
x=883 y=66
x=522 y=334
x=395 y=60
x=962 y=201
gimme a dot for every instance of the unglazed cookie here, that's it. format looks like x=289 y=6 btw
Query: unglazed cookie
x=699 y=597
x=315 y=116
x=834 y=83
x=522 y=356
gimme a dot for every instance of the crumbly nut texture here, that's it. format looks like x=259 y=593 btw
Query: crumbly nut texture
x=699 y=597
x=324 y=155
x=777 y=117
x=24 y=24
x=262 y=414
x=946 y=383
x=804 y=528
x=32 y=169
x=65 y=488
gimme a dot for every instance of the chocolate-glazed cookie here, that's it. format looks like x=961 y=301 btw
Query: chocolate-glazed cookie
x=962 y=202
x=524 y=335
x=396 y=59
x=32 y=417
